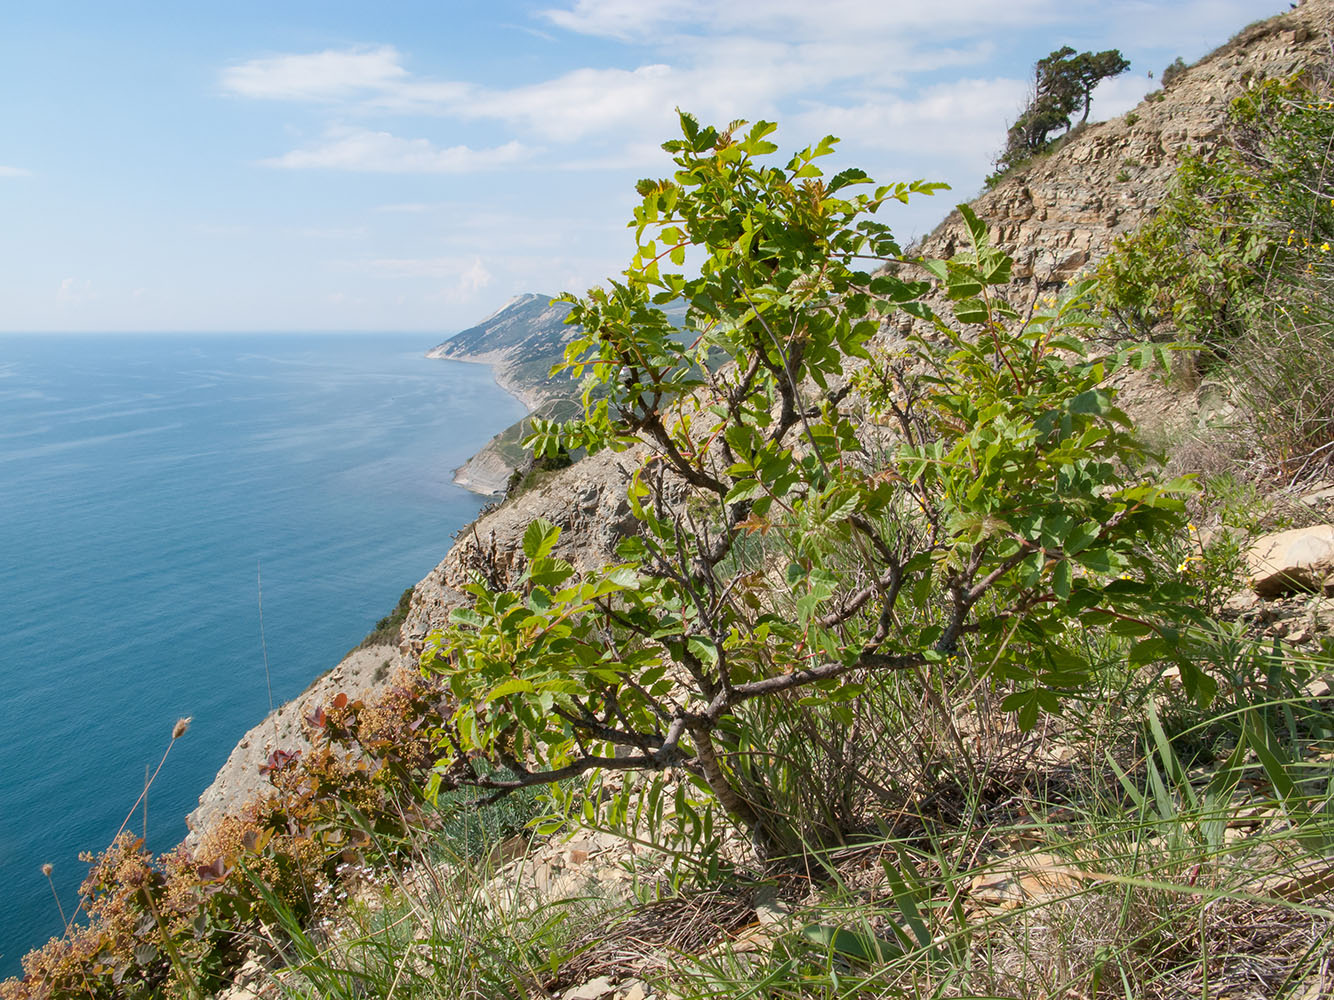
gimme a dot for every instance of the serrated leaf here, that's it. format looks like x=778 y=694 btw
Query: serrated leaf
x=515 y=685
x=539 y=538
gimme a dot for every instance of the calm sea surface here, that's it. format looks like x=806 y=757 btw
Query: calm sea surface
x=143 y=481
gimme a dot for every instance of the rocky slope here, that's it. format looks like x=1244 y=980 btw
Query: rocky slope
x=1055 y=217
x=239 y=779
x=1062 y=212
x=521 y=340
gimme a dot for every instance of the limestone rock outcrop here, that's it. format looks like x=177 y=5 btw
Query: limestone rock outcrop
x=1063 y=211
x=1291 y=561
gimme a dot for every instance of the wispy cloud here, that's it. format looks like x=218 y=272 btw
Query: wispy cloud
x=73 y=291
x=14 y=171
x=318 y=76
x=719 y=77
x=746 y=58
x=626 y=20
x=954 y=119
x=407 y=207
x=364 y=150
x=454 y=279
x=651 y=20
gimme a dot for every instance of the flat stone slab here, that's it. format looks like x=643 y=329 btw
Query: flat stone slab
x=1290 y=561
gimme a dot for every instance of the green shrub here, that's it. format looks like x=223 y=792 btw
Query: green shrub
x=773 y=561
x=386 y=629
x=1238 y=259
x=1173 y=72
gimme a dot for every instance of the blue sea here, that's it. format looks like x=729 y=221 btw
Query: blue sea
x=146 y=483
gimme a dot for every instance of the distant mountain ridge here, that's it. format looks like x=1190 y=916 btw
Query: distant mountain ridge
x=522 y=339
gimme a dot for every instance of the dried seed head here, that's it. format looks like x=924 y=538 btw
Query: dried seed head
x=178 y=730
x=46 y=869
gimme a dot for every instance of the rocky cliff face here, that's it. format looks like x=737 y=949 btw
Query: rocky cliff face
x=1063 y=211
x=361 y=673
x=521 y=341
x=1054 y=217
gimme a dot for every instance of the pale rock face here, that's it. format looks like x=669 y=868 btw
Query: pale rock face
x=1298 y=560
x=1059 y=216
x=1064 y=211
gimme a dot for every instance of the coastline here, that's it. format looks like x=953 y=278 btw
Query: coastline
x=359 y=674
x=530 y=398
x=485 y=473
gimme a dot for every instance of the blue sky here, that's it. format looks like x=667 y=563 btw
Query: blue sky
x=412 y=165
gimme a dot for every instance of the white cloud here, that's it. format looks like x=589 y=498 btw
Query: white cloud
x=954 y=119
x=14 y=171
x=476 y=277
x=584 y=102
x=463 y=277
x=382 y=152
x=318 y=76
x=625 y=19
x=745 y=58
x=1119 y=94
x=406 y=207
x=652 y=20
x=720 y=78
x=948 y=133
x=645 y=155
x=73 y=291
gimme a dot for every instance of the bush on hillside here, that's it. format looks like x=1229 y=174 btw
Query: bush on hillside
x=1173 y=72
x=775 y=559
x=1063 y=83
x=1238 y=258
x=386 y=629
